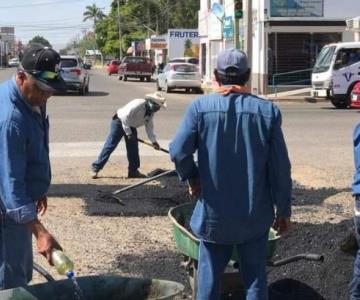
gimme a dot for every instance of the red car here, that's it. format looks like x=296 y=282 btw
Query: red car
x=113 y=67
x=355 y=96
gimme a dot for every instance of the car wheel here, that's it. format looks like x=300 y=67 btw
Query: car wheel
x=109 y=74
x=187 y=90
x=339 y=104
x=87 y=89
x=158 y=86
x=199 y=91
x=148 y=78
x=167 y=89
x=125 y=78
x=141 y=78
x=82 y=90
x=120 y=77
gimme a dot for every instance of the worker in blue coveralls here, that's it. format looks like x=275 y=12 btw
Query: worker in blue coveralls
x=355 y=282
x=242 y=181
x=25 y=166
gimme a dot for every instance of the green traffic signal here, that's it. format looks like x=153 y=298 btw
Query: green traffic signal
x=239 y=14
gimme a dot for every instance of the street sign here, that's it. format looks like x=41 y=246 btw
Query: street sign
x=228 y=28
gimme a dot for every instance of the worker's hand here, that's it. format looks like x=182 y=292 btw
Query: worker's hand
x=156 y=145
x=45 y=242
x=281 y=225
x=194 y=188
x=41 y=205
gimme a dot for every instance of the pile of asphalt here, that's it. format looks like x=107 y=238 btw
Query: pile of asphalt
x=322 y=280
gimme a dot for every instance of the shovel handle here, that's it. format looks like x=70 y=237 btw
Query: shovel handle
x=151 y=145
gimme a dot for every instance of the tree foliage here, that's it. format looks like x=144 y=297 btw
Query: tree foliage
x=93 y=13
x=139 y=20
x=39 y=40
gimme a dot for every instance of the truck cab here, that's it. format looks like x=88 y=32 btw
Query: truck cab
x=335 y=73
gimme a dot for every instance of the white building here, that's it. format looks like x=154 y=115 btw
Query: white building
x=286 y=36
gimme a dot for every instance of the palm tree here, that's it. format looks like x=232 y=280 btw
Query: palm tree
x=93 y=13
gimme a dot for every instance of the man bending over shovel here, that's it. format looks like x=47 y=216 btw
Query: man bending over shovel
x=136 y=113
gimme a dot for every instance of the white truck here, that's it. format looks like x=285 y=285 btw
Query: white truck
x=336 y=71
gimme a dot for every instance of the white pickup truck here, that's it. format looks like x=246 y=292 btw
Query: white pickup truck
x=336 y=71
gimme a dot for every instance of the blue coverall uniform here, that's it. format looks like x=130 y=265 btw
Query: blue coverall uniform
x=244 y=171
x=355 y=282
x=24 y=176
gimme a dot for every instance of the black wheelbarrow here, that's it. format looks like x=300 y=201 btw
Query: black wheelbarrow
x=188 y=246
x=102 y=287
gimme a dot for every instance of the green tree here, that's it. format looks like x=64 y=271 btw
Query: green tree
x=40 y=41
x=93 y=13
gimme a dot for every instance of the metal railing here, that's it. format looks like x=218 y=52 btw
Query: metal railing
x=295 y=81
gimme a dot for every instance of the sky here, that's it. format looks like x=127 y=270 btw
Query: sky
x=58 y=21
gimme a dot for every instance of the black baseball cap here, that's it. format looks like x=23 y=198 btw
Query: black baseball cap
x=43 y=64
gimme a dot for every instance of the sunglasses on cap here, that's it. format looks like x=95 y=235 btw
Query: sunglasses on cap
x=45 y=75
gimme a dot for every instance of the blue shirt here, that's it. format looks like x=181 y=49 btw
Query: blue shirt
x=243 y=166
x=356 y=144
x=25 y=168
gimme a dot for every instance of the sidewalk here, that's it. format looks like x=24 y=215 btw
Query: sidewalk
x=298 y=95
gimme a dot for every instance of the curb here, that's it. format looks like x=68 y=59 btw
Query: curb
x=302 y=99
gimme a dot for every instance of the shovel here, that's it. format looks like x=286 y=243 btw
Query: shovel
x=130 y=187
x=151 y=145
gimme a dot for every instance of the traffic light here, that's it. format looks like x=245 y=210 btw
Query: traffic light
x=238 y=9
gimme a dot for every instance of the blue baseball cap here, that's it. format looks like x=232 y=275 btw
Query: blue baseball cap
x=232 y=62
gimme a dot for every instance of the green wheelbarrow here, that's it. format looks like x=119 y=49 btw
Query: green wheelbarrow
x=188 y=246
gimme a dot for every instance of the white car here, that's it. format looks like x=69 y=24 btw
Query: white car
x=13 y=62
x=74 y=74
x=179 y=76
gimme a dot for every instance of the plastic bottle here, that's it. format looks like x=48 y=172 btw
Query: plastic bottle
x=62 y=263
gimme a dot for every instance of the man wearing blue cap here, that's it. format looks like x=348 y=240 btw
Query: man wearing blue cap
x=242 y=182
x=25 y=166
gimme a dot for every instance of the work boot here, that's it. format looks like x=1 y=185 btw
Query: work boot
x=94 y=174
x=136 y=174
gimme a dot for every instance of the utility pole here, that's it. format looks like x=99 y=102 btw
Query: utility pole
x=120 y=34
x=248 y=36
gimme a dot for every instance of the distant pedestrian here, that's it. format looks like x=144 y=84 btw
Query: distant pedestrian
x=25 y=166
x=355 y=283
x=136 y=113
x=242 y=182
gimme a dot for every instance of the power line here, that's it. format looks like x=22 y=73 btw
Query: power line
x=40 y=4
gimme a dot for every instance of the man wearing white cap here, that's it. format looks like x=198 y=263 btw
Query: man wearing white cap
x=242 y=181
x=138 y=112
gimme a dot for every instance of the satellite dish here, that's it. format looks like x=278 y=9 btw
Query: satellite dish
x=217 y=10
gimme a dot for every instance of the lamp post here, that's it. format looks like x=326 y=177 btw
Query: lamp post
x=248 y=36
x=120 y=34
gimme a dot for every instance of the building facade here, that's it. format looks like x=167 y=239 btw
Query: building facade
x=284 y=36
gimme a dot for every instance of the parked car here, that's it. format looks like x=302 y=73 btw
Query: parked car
x=87 y=63
x=135 y=66
x=179 y=76
x=355 y=96
x=74 y=74
x=186 y=59
x=13 y=62
x=113 y=67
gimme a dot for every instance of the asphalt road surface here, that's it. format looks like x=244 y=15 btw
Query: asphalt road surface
x=317 y=135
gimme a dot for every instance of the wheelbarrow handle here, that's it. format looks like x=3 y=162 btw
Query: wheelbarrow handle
x=309 y=256
x=43 y=272
x=151 y=145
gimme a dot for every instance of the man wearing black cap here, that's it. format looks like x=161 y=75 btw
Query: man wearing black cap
x=25 y=168
x=242 y=182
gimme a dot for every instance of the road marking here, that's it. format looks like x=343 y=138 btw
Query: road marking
x=92 y=149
